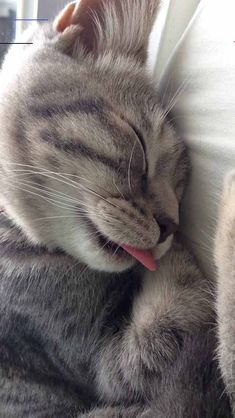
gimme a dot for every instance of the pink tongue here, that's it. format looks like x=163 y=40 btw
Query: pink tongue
x=145 y=257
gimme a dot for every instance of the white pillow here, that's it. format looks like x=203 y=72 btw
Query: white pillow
x=203 y=69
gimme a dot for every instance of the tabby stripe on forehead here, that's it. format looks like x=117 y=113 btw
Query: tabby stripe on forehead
x=96 y=107
x=69 y=146
x=87 y=106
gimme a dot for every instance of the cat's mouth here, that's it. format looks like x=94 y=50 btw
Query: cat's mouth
x=104 y=242
x=123 y=251
x=111 y=247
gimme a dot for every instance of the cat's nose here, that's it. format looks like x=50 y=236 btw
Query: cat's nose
x=167 y=227
x=126 y=222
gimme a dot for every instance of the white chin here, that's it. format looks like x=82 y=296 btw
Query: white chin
x=96 y=258
x=101 y=261
x=109 y=265
x=162 y=249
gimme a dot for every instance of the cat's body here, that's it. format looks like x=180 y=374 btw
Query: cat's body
x=72 y=339
x=88 y=163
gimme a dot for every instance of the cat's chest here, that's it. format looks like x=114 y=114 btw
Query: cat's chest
x=70 y=307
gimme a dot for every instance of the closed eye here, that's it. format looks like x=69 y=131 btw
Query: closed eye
x=142 y=144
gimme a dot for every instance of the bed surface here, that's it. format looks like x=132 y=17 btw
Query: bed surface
x=201 y=73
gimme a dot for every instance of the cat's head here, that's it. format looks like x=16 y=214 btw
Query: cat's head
x=88 y=160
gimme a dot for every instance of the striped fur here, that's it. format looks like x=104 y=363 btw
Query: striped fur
x=88 y=161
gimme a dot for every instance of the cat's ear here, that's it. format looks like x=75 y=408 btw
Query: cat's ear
x=120 y=26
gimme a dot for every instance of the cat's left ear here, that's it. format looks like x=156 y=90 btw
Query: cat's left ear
x=120 y=26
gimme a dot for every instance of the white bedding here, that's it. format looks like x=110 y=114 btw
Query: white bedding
x=203 y=68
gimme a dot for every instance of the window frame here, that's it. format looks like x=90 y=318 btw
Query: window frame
x=26 y=9
x=49 y=9
x=36 y=9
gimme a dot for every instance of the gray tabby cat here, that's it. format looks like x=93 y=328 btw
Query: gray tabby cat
x=89 y=164
x=225 y=261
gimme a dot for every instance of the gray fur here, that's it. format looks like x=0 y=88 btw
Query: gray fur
x=85 y=149
x=224 y=258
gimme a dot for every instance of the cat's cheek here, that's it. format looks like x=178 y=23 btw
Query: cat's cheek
x=161 y=249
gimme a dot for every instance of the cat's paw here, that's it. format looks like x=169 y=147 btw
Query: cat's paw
x=225 y=233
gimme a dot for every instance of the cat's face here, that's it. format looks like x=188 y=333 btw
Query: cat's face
x=90 y=162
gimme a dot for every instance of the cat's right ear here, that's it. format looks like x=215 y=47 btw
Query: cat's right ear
x=64 y=19
x=77 y=22
x=99 y=26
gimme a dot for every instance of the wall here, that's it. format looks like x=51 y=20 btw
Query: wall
x=49 y=9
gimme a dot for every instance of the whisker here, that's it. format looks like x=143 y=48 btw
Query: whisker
x=165 y=93
x=83 y=178
x=75 y=212
x=55 y=195
x=114 y=182
x=72 y=210
x=72 y=183
x=77 y=216
x=56 y=192
x=175 y=98
x=76 y=202
x=129 y=166
x=53 y=172
x=115 y=252
x=37 y=194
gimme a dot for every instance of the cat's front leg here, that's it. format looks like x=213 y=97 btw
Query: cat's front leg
x=225 y=262
x=173 y=303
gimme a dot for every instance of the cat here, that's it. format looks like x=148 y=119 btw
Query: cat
x=224 y=260
x=90 y=167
